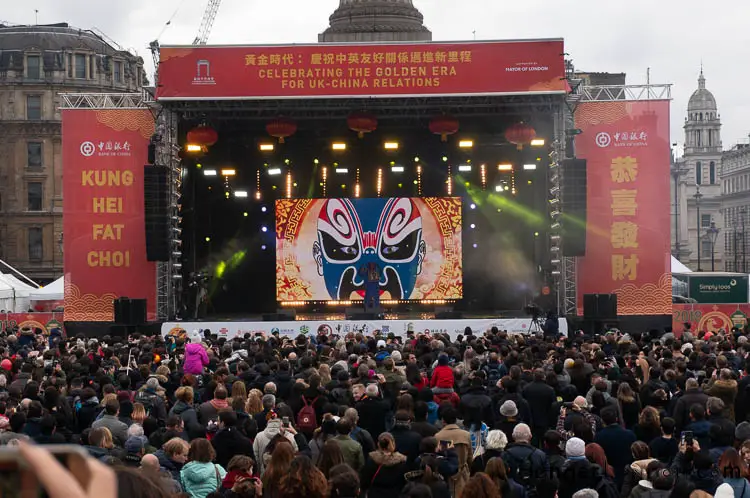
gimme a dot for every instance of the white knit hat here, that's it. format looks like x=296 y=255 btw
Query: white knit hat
x=575 y=447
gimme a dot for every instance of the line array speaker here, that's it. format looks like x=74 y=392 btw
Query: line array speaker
x=573 y=200
x=156 y=200
x=599 y=306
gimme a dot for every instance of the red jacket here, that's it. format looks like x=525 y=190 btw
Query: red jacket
x=442 y=377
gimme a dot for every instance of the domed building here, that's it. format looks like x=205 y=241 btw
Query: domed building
x=37 y=64
x=376 y=21
x=696 y=177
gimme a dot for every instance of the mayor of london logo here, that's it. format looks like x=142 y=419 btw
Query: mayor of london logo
x=88 y=149
x=603 y=139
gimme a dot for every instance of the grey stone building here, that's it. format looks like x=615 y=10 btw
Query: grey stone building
x=376 y=21
x=696 y=191
x=37 y=63
x=735 y=206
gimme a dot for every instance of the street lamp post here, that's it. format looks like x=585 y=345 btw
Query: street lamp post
x=698 y=196
x=712 y=234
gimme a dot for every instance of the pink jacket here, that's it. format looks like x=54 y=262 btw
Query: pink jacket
x=195 y=359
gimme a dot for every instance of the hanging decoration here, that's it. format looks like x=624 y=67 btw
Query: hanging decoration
x=202 y=135
x=362 y=122
x=520 y=134
x=444 y=126
x=281 y=128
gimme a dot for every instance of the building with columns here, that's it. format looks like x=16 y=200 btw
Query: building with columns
x=696 y=191
x=37 y=63
x=376 y=21
x=735 y=206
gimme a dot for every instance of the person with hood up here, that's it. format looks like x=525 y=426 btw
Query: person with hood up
x=383 y=473
x=26 y=337
x=273 y=428
x=196 y=358
x=200 y=476
x=183 y=408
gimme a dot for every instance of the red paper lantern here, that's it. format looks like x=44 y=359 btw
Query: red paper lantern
x=202 y=135
x=281 y=128
x=520 y=134
x=444 y=126
x=362 y=122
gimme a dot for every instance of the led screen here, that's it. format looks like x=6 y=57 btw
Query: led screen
x=324 y=246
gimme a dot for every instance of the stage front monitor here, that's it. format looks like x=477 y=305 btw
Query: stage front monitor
x=325 y=246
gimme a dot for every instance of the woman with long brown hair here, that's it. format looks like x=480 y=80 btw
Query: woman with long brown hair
x=648 y=427
x=303 y=480
x=595 y=454
x=629 y=404
x=383 y=473
x=330 y=456
x=480 y=486
x=735 y=472
x=277 y=468
x=498 y=472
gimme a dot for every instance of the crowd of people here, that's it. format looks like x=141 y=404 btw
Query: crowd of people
x=481 y=415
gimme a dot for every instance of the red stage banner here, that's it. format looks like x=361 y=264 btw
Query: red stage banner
x=372 y=70
x=709 y=317
x=626 y=145
x=104 y=237
x=44 y=321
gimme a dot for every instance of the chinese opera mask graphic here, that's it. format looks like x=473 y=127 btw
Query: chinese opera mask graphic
x=331 y=249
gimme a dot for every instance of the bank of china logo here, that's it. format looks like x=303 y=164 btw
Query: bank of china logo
x=732 y=283
x=603 y=139
x=88 y=149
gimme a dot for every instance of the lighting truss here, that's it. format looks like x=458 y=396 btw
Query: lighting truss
x=106 y=100
x=610 y=93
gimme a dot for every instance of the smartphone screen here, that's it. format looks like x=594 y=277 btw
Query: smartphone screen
x=285 y=421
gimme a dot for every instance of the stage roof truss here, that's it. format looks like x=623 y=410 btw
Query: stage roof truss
x=610 y=93
x=106 y=100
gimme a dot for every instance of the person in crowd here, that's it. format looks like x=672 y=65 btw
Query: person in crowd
x=303 y=479
x=330 y=457
x=200 y=476
x=229 y=440
x=693 y=395
x=172 y=456
x=629 y=404
x=639 y=469
x=481 y=486
x=664 y=448
x=272 y=431
x=196 y=358
x=383 y=473
x=184 y=409
x=494 y=447
x=648 y=427
x=351 y=450
x=407 y=440
x=613 y=438
x=109 y=420
x=525 y=462
x=428 y=474
x=277 y=467
x=452 y=436
x=725 y=388
x=734 y=471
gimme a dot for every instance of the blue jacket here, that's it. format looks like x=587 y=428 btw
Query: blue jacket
x=616 y=441
x=199 y=479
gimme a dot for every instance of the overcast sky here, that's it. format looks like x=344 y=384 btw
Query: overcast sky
x=671 y=37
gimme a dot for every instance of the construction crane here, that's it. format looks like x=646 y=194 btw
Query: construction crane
x=209 y=16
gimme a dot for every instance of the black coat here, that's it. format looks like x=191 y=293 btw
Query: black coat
x=681 y=413
x=476 y=407
x=372 y=414
x=616 y=441
x=407 y=443
x=86 y=415
x=540 y=397
x=383 y=476
x=578 y=474
x=230 y=442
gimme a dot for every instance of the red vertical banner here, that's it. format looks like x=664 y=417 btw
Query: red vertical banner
x=626 y=145
x=104 y=239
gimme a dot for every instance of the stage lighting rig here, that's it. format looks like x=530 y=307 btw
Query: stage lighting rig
x=466 y=144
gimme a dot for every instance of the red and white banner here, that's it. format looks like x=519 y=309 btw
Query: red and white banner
x=453 y=328
x=372 y=70
x=104 y=238
x=626 y=145
x=43 y=321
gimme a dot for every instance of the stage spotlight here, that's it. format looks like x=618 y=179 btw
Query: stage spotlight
x=537 y=142
x=474 y=246
x=464 y=168
x=315 y=161
x=416 y=159
x=242 y=194
x=529 y=167
x=228 y=172
x=199 y=165
x=391 y=145
x=473 y=225
x=263 y=247
x=536 y=234
x=245 y=214
x=208 y=239
x=505 y=167
x=445 y=159
x=266 y=147
x=342 y=171
x=264 y=229
x=397 y=169
x=274 y=171
x=209 y=172
x=263 y=209
x=194 y=148
x=499 y=188
x=473 y=206
x=466 y=144
x=338 y=146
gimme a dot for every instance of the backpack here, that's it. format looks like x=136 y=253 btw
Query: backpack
x=306 y=419
x=147 y=400
x=524 y=474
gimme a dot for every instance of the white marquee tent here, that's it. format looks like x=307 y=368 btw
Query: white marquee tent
x=678 y=267
x=14 y=294
x=52 y=292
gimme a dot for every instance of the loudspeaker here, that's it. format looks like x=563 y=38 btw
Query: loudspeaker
x=599 y=306
x=156 y=203
x=137 y=312
x=573 y=203
x=122 y=310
